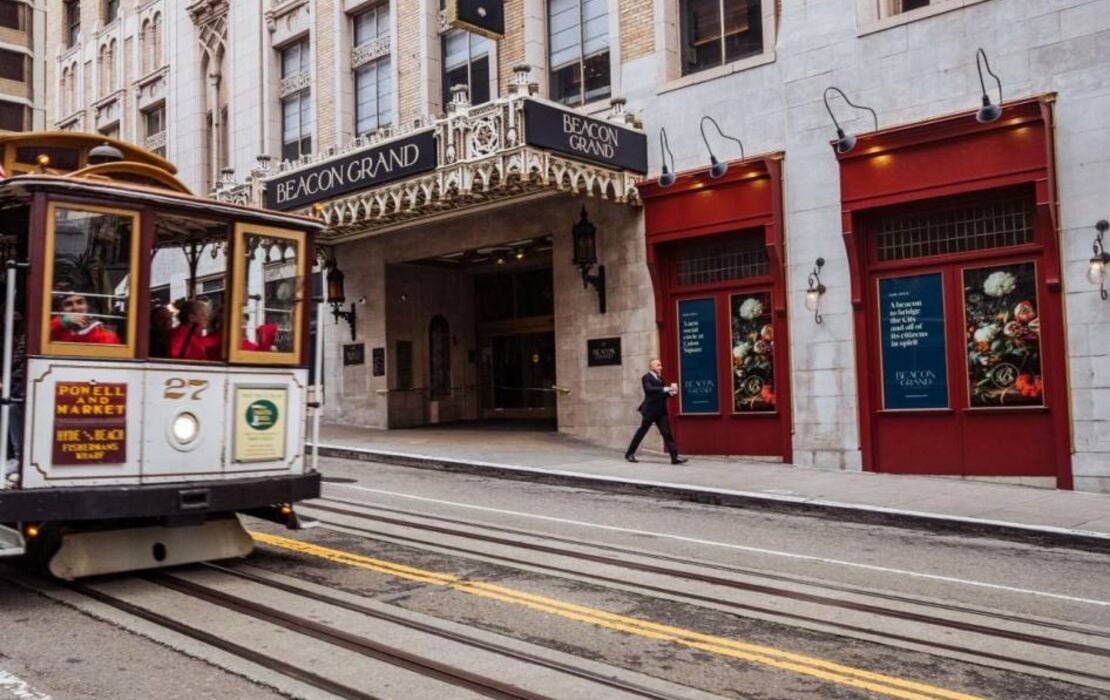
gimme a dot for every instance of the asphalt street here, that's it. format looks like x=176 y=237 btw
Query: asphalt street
x=421 y=583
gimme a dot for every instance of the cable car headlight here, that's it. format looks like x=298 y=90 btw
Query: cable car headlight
x=185 y=428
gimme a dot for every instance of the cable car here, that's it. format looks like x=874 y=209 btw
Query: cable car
x=155 y=351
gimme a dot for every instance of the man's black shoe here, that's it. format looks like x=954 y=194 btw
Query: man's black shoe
x=631 y=458
x=679 y=460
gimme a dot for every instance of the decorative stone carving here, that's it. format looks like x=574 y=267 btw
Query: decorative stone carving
x=294 y=83
x=370 y=51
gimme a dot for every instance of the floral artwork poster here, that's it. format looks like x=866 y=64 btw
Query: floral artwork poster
x=1003 y=331
x=753 y=353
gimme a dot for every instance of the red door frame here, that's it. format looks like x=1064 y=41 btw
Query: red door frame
x=748 y=197
x=946 y=157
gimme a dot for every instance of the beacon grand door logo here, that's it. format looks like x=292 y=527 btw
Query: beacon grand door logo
x=357 y=171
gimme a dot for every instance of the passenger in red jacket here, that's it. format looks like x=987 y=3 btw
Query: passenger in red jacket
x=75 y=325
x=187 y=341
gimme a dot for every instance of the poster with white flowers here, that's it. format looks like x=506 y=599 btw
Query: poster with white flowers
x=753 y=353
x=1003 y=336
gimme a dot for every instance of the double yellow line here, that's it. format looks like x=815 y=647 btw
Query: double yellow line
x=767 y=656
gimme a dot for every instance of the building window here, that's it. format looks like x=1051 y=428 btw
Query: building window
x=716 y=32
x=111 y=131
x=296 y=103
x=73 y=22
x=578 y=42
x=897 y=7
x=373 y=70
x=14 y=116
x=13 y=15
x=13 y=66
x=721 y=259
x=111 y=11
x=466 y=62
x=154 y=130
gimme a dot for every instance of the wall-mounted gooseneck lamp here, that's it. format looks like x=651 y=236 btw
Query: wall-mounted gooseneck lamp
x=666 y=179
x=585 y=257
x=845 y=142
x=1100 y=262
x=816 y=290
x=336 y=297
x=717 y=168
x=989 y=111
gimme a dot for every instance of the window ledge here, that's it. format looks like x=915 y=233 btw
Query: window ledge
x=718 y=72
x=873 y=25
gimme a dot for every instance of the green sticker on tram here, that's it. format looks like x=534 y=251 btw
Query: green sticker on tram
x=262 y=414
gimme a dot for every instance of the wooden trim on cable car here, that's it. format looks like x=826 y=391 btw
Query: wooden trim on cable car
x=238 y=278
x=50 y=347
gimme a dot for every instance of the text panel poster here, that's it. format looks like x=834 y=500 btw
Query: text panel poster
x=697 y=350
x=911 y=338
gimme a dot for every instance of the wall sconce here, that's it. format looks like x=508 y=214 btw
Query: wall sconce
x=716 y=168
x=585 y=257
x=989 y=111
x=667 y=178
x=336 y=297
x=816 y=290
x=845 y=142
x=1097 y=269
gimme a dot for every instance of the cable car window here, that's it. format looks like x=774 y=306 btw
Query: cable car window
x=91 y=255
x=189 y=269
x=267 y=295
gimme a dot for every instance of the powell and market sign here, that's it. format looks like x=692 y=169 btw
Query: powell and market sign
x=552 y=128
x=361 y=170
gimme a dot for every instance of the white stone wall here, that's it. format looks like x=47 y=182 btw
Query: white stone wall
x=907 y=73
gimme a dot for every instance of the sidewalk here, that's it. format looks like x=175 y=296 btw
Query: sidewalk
x=1050 y=516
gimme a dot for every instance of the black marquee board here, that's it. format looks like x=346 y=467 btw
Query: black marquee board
x=585 y=138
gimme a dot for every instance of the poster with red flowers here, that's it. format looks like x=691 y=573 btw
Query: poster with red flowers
x=753 y=346
x=1003 y=336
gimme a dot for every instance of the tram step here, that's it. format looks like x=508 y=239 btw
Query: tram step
x=11 y=542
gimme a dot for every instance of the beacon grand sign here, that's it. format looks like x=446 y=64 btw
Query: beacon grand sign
x=581 y=137
x=357 y=171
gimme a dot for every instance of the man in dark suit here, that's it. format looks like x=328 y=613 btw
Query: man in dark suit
x=654 y=412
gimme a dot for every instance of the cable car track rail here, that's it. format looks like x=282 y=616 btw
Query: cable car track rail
x=743 y=609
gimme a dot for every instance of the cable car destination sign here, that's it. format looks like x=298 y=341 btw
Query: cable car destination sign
x=360 y=170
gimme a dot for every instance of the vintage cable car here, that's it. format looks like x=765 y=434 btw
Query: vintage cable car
x=155 y=351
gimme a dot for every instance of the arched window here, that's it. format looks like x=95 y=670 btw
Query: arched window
x=146 y=40
x=156 y=42
x=102 y=69
x=439 y=358
x=113 y=54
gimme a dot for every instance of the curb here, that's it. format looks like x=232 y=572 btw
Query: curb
x=1043 y=535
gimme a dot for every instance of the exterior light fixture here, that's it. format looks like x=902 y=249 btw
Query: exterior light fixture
x=1100 y=263
x=845 y=142
x=518 y=254
x=717 y=168
x=816 y=290
x=989 y=111
x=666 y=179
x=585 y=257
x=337 y=297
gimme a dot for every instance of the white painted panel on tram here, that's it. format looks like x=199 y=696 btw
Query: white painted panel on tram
x=84 y=422
x=185 y=412
x=265 y=432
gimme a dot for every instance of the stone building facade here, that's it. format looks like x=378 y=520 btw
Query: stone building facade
x=310 y=81
x=23 y=79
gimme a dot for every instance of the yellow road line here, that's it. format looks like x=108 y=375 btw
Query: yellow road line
x=768 y=656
